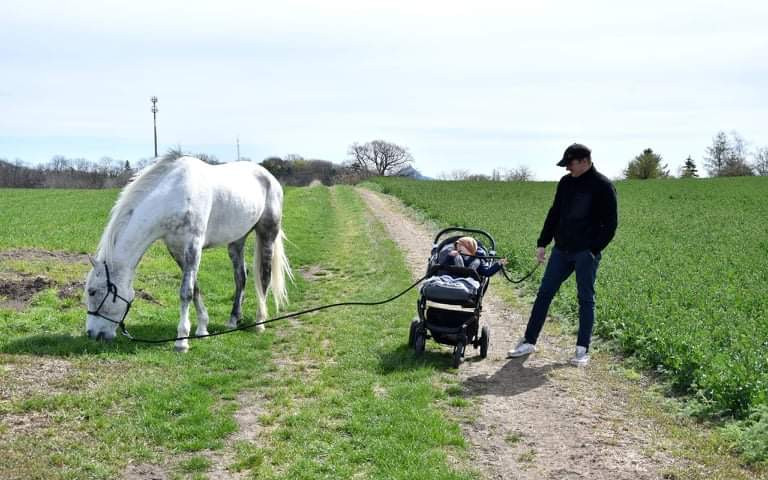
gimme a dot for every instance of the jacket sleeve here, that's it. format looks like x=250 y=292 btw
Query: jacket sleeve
x=609 y=218
x=488 y=270
x=552 y=220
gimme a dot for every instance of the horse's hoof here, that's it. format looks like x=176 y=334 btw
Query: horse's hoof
x=181 y=349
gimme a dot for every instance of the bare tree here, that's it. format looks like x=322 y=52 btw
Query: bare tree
x=457 y=174
x=519 y=174
x=727 y=157
x=379 y=156
x=761 y=161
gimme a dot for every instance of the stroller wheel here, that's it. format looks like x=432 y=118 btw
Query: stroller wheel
x=419 y=341
x=412 y=332
x=485 y=337
x=458 y=353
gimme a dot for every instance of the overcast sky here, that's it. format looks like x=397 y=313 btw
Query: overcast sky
x=463 y=85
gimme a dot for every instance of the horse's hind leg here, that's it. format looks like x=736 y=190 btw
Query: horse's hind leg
x=197 y=297
x=237 y=255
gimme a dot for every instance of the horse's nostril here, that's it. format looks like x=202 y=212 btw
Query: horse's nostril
x=88 y=332
x=100 y=336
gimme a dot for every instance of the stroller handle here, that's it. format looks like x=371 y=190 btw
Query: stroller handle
x=468 y=230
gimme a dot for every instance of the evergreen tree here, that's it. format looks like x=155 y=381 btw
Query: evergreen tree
x=689 y=169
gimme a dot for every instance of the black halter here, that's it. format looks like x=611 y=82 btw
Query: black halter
x=112 y=289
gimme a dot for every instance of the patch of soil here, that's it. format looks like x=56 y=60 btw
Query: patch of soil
x=71 y=290
x=313 y=273
x=535 y=417
x=17 y=291
x=144 y=471
x=20 y=423
x=40 y=254
x=32 y=375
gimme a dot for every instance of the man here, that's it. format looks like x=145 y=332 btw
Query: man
x=582 y=220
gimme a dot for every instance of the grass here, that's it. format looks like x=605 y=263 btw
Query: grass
x=680 y=289
x=340 y=394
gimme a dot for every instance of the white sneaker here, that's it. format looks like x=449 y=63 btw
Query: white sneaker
x=522 y=348
x=581 y=359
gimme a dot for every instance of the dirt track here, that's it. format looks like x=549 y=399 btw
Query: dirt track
x=537 y=418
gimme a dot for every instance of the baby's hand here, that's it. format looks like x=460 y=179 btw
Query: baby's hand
x=453 y=253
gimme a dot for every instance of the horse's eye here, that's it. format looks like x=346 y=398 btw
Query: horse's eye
x=91 y=292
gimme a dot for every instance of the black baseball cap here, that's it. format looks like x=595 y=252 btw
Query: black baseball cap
x=574 y=152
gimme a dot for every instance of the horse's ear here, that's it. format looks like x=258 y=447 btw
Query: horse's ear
x=93 y=262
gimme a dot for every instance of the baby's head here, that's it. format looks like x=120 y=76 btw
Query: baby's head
x=466 y=245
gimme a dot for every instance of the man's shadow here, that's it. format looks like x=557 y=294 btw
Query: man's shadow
x=512 y=379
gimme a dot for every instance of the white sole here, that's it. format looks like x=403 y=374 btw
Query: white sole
x=518 y=355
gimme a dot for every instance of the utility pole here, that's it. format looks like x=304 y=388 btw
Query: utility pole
x=238 y=148
x=154 y=120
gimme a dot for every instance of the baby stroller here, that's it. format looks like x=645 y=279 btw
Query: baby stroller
x=448 y=313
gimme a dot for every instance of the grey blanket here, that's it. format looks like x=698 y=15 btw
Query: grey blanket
x=448 y=288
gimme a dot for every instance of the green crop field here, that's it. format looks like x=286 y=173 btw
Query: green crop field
x=683 y=287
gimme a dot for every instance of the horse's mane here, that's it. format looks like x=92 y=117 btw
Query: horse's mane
x=137 y=188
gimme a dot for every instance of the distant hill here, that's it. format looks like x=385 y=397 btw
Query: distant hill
x=410 y=172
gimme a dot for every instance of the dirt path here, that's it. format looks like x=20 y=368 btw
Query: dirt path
x=537 y=418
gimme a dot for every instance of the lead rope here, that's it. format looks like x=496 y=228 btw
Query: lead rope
x=302 y=312
x=282 y=317
x=527 y=275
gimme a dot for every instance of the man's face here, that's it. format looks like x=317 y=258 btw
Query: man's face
x=577 y=166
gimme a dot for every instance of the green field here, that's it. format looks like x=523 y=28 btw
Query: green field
x=683 y=288
x=337 y=394
x=333 y=400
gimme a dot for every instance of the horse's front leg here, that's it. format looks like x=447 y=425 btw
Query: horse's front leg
x=202 y=313
x=187 y=293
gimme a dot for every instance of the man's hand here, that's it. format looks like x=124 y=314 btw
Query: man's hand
x=541 y=254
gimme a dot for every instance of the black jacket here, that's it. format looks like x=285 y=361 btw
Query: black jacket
x=583 y=215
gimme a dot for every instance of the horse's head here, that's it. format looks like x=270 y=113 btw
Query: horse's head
x=108 y=300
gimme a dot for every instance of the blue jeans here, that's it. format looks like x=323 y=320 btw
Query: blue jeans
x=560 y=266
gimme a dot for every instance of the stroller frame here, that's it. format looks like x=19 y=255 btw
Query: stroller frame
x=452 y=323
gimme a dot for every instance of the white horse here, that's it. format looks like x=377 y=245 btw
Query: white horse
x=190 y=205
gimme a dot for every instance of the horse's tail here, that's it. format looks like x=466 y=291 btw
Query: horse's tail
x=281 y=270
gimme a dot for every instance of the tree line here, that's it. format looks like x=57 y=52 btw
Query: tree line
x=727 y=156
x=377 y=157
x=62 y=172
